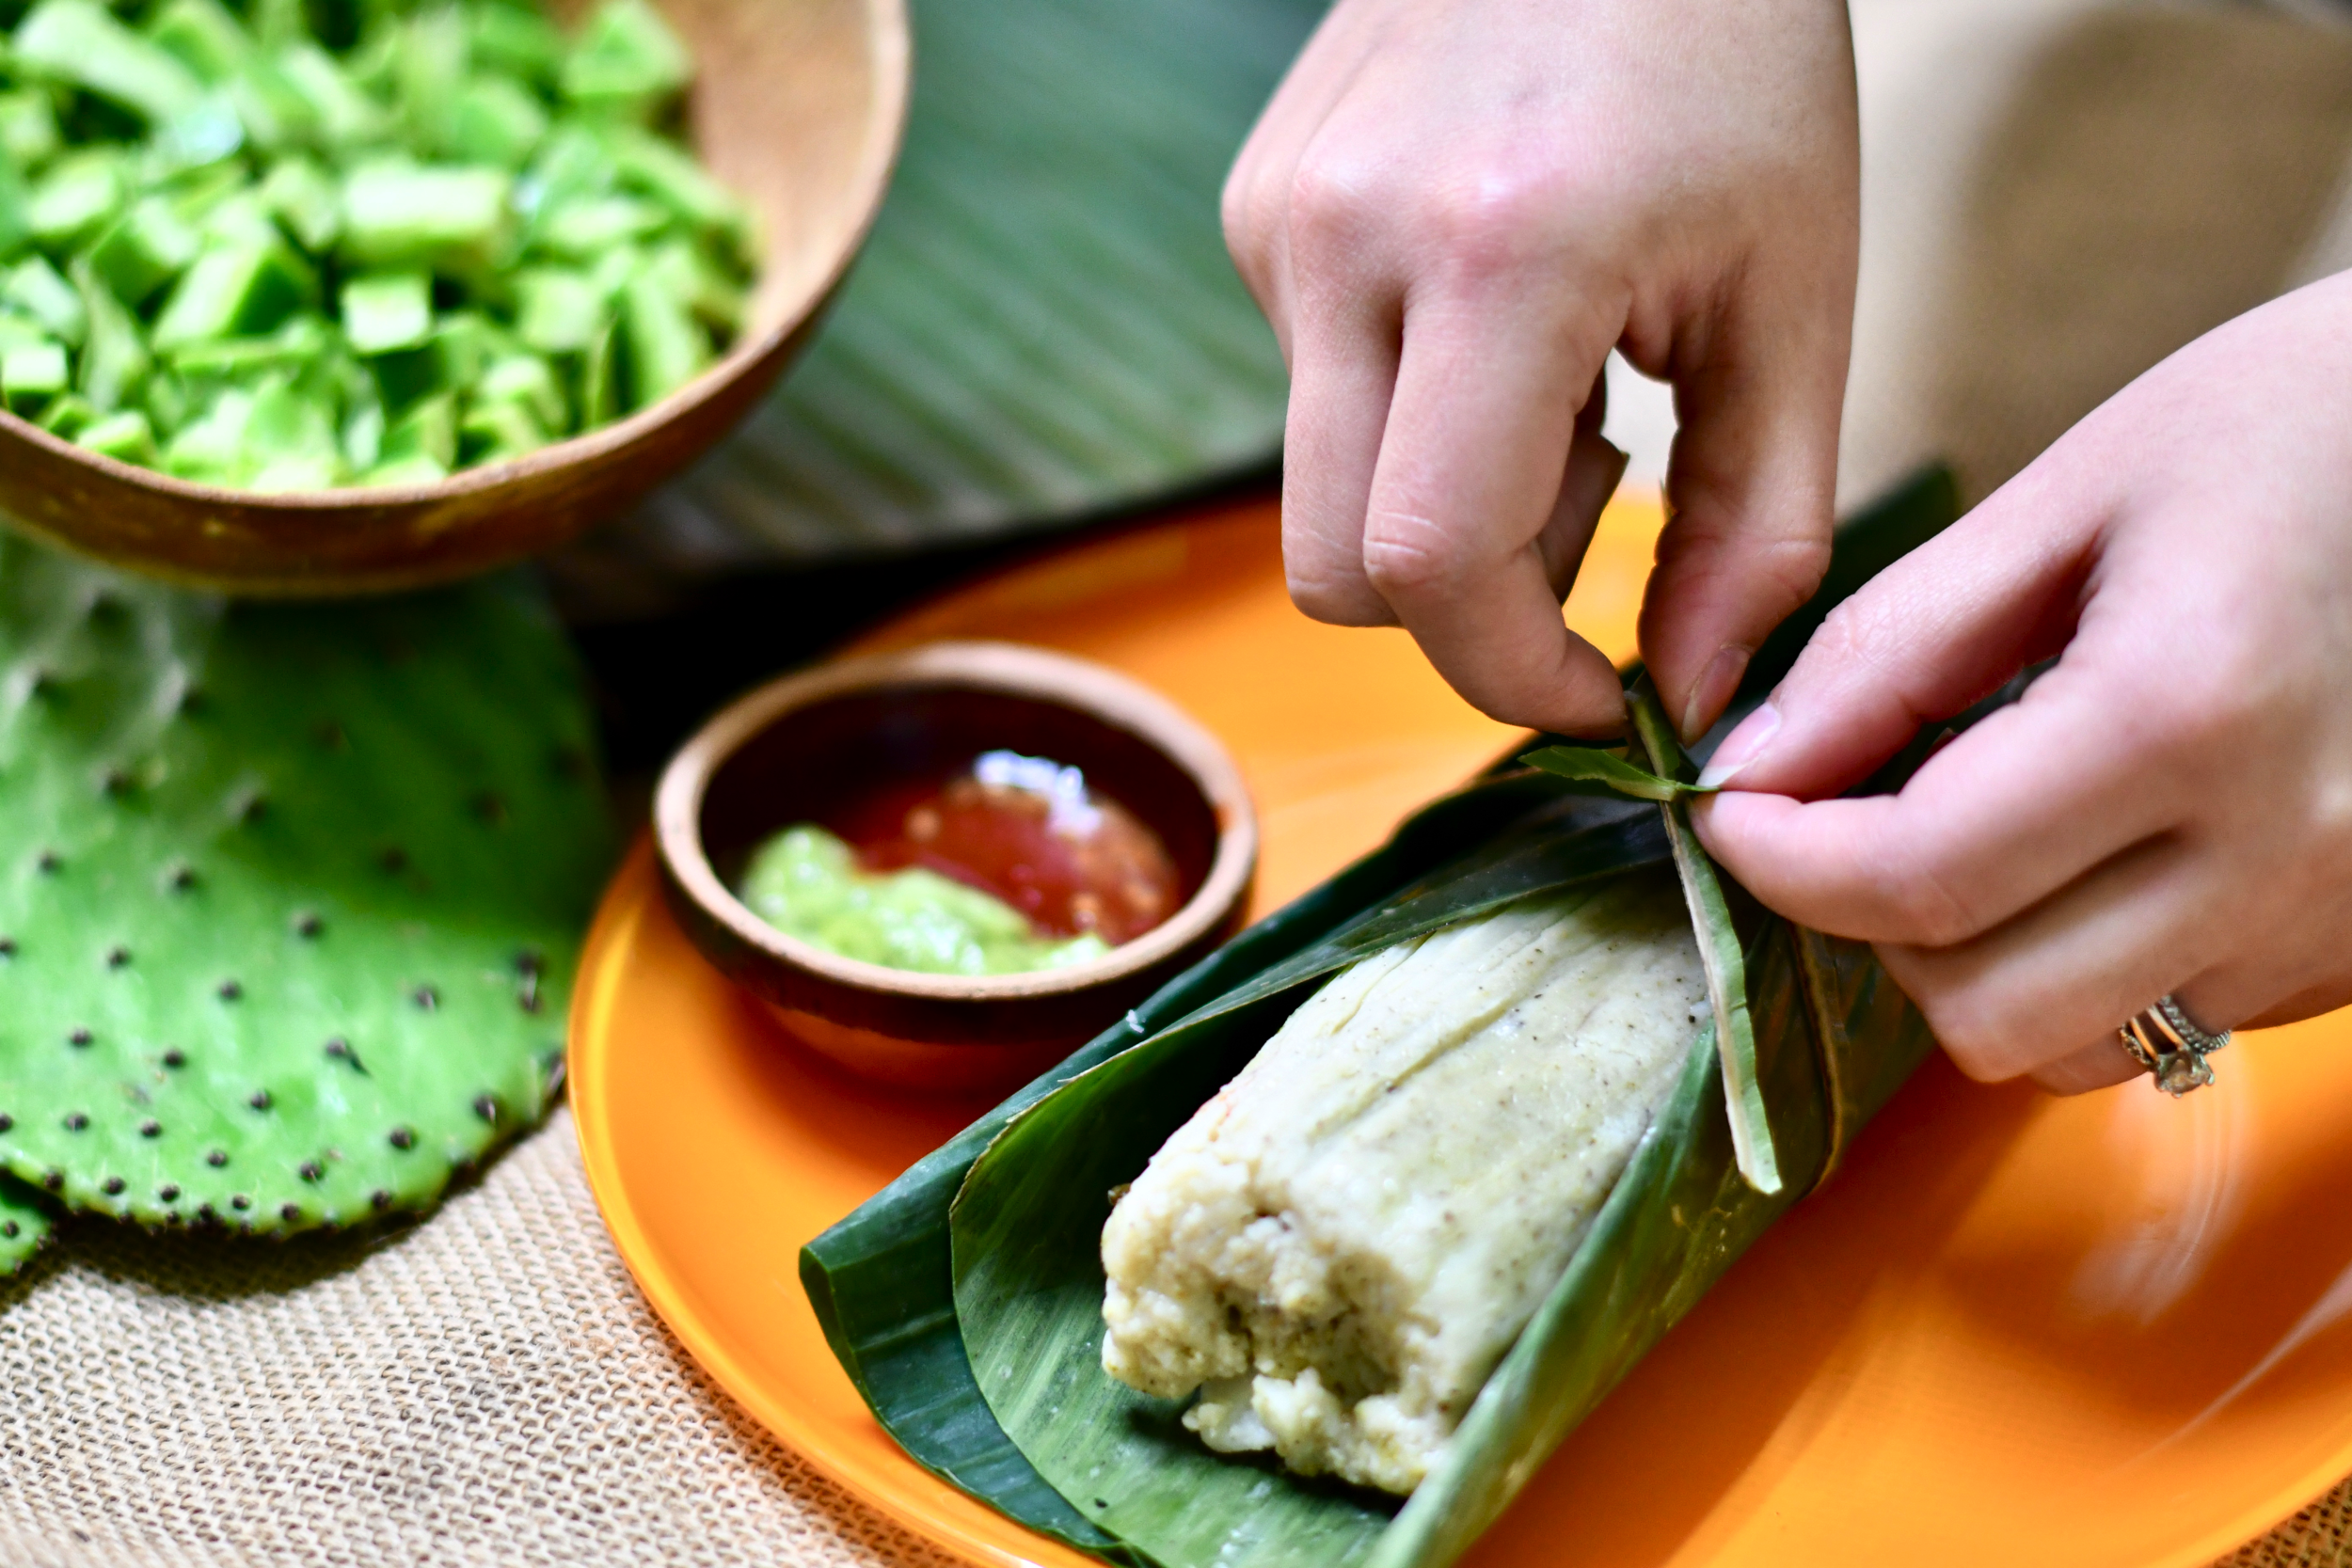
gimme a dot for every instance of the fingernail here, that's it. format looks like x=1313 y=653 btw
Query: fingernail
x=1712 y=691
x=1742 y=747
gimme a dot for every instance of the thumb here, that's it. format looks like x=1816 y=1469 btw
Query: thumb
x=1936 y=631
x=1749 y=493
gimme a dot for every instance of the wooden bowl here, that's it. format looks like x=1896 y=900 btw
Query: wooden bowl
x=797 y=106
x=797 y=748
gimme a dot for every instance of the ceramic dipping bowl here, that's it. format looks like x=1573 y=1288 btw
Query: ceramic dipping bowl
x=802 y=748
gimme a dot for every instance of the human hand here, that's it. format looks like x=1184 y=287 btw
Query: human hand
x=1450 y=211
x=2169 y=807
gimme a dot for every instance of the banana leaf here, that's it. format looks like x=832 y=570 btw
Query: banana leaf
x=1044 y=323
x=915 y=1299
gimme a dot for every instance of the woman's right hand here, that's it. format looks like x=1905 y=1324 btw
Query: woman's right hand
x=1451 y=211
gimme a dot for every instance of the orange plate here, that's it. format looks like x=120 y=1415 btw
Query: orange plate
x=2107 y=1331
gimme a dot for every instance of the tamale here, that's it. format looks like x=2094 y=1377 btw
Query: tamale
x=1340 y=1245
x=965 y=1300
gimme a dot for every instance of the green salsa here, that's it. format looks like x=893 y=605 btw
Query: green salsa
x=806 y=884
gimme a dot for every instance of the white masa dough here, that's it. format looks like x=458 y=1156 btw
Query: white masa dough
x=1338 y=1246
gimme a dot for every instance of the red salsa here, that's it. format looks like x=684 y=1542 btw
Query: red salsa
x=1029 y=831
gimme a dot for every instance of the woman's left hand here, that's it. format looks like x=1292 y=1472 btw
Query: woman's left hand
x=2169 y=807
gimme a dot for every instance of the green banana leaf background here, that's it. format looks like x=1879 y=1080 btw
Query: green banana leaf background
x=1044 y=322
x=884 y=1284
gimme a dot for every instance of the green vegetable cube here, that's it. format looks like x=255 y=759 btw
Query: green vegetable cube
x=145 y=249
x=34 y=287
x=127 y=437
x=211 y=448
x=599 y=379
x=203 y=37
x=297 y=471
x=234 y=291
x=345 y=116
x=584 y=230
x=559 y=312
x=689 y=274
x=16 y=211
x=493 y=432
x=517 y=40
x=169 y=403
x=67 y=415
x=496 y=120
x=527 y=380
x=663 y=348
x=670 y=176
x=17 y=330
x=79 y=43
x=114 y=360
x=204 y=138
x=276 y=111
x=627 y=62
x=408 y=470
x=451 y=219
x=575 y=162
x=429 y=430
x=29 y=129
x=80 y=195
x=429 y=67
x=32 y=373
x=363 y=435
x=240 y=218
x=388 y=310
x=302 y=198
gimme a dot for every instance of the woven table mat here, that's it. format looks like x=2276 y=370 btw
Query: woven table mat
x=487 y=1387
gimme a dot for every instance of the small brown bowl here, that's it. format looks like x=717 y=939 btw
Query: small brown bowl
x=800 y=747
x=797 y=106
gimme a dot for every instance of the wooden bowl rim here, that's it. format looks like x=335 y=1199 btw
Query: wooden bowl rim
x=1013 y=669
x=888 y=32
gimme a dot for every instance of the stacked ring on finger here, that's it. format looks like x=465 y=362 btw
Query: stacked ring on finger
x=2169 y=1046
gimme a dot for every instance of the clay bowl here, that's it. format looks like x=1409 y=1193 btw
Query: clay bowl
x=797 y=106
x=798 y=749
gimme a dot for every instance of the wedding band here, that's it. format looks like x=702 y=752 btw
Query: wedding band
x=2168 y=1045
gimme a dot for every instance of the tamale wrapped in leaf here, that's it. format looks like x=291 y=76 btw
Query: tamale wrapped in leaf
x=978 y=1337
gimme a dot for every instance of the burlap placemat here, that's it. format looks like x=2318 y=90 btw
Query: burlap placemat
x=487 y=1387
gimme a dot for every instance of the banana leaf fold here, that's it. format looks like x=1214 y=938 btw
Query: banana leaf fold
x=965 y=1299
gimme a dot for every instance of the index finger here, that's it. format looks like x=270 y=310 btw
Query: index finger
x=1480 y=449
x=2011 y=811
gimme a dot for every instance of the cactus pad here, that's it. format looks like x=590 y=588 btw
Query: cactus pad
x=289 y=895
x=25 y=1224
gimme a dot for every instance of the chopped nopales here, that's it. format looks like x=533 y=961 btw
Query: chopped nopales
x=34 y=287
x=666 y=347
x=74 y=198
x=126 y=436
x=31 y=374
x=374 y=205
x=628 y=60
x=400 y=214
x=1340 y=1245
x=496 y=120
x=202 y=36
x=29 y=136
x=234 y=292
x=383 y=311
x=79 y=43
x=143 y=250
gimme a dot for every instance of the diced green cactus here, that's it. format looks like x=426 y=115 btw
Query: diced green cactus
x=289 y=895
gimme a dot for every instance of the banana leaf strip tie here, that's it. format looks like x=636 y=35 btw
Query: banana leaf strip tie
x=965 y=1300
